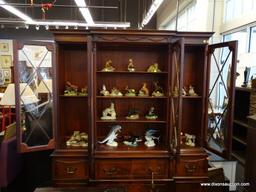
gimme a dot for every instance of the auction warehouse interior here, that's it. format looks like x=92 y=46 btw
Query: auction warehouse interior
x=127 y=95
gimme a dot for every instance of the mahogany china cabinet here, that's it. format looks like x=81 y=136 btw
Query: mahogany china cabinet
x=186 y=122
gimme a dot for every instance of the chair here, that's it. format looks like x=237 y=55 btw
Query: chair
x=11 y=161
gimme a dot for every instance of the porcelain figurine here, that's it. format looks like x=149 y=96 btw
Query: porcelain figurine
x=144 y=90
x=132 y=141
x=115 y=92
x=176 y=92
x=130 y=66
x=133 y=114
x=78 y=140
x=184 y=92
x=109 y=113
x=151 y=114
x=83 y=92
x=108 y=67
x=104 y=91
x=150 y=137
x=190 y=140
x=112 y=135
x=70 y=90
x=191 y=91
x=130 y=92
x=153 y=68
x=158 y=92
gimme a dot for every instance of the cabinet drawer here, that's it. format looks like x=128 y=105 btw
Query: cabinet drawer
x=145 y=168
x=192 y=167
x=126 y=168
x=70 y=169
x=112 y=169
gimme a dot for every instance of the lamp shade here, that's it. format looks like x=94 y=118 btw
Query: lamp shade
x=27 y=95
x=45 y=86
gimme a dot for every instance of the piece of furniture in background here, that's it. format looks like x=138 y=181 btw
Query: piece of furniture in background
x=10 y=161
x=250 y=167
x=242 y=109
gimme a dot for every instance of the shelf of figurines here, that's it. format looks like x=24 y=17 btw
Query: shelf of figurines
x=132 y=93
x=109 y=115
x=131 y=69
x=189 y=93
x=114 y=141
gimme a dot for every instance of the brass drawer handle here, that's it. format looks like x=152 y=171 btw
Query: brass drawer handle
x=71 y=170
x=190 y=168
x=156 y=171
x=111 y=171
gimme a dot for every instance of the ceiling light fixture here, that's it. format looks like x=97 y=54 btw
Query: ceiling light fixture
x=84 y=11
x=15 y=11
x=154 y=6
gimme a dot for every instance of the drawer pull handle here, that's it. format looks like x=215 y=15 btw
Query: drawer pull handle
x=156 y=171
x=190 y=168
x=70 y=170
x=111 y=171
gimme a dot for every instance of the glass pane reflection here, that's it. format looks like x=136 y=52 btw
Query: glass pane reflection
x=35 y=77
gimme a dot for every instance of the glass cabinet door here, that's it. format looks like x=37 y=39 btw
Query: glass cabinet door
x=34 y=96
x=221 y=86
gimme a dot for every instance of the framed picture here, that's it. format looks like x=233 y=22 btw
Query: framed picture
x=7 y=75
x=1 y=77
x=6 y=61
x=4 y=47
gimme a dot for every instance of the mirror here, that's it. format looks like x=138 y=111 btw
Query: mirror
x=35 y=95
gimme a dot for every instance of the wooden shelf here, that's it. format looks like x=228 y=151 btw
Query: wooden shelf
x=192 y=97
x=239 y=155
x=73 y=96
x=141 y=148
x=124 y=120
x=242 y=122
x=127 y=97
x=135 y=72
x=240 y=140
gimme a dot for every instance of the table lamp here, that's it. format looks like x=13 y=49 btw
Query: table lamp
x=8 y=100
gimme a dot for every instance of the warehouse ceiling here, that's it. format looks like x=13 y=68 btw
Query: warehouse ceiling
x=101 y=10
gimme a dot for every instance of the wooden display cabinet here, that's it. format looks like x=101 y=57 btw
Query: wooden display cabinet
x=71 y=163
x=171 y=164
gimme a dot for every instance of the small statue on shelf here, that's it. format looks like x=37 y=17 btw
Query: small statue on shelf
x=83 y=92
x=190 y=140
x=78 y=140
x=158 y=92
x=70 y=90
x=115 y=92
x=108 y=67
x=151 y=114
x=191 y=91
x=176 y=92
x=130 y=66
x=104 y=91
x=130 y=92
x=153 y=68
x=132 y=141
x=112 y=135
x=109 y=113
x=133 y=114
x=184 y=92
x=144 y=90
x=150 y=137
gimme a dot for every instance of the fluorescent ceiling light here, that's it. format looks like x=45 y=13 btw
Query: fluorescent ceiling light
x=15 y=11
x=154 y=6
x=80 y=24
x=84 y=11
